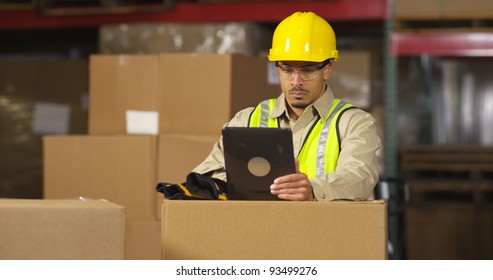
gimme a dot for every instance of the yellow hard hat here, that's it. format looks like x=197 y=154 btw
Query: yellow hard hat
x=303 y=36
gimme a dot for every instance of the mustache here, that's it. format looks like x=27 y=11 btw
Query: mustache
x=298 y=89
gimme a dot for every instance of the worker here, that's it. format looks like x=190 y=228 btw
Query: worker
x=303 y=50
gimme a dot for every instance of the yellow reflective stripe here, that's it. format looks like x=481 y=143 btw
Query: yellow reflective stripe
x=308 y=154
x=260 y=115
x=264 y=113
x=272 y=122
x=320 y=153
x=327 y=160
x=323 y=139
x=255 y=116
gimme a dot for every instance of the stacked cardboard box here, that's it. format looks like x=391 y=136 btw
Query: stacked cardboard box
x=118 y=168
x=42 y=229
x=152 y=118
x=181 y=89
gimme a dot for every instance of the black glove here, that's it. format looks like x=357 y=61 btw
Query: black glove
x=197 y=186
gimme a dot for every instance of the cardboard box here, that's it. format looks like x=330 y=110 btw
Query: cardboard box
x=418 y=9
x=259 y=230
x=474 y=9
x=61 y=229
x=439 y=9
x=178 y=154
x=179 y=87
x=350 y=80
x=120 y=83
x=121 y=169
x=143 y=240
x=201 y=92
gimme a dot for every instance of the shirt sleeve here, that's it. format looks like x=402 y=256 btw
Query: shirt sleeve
x=356 y=173
x=214 y=163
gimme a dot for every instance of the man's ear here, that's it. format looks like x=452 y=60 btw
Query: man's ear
x=328 y=71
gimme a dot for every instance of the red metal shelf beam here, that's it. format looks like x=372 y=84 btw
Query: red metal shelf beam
x=444 y=44
x=265 y=12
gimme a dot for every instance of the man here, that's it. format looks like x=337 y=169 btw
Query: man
x=303 y=48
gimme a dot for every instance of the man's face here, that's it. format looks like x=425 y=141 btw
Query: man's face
x=302 y=82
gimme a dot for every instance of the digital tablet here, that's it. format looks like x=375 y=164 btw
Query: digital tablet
x=254 y=157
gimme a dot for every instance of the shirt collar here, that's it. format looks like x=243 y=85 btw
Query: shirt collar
x=322 y=105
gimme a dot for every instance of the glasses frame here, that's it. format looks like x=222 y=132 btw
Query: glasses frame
x=290 y=76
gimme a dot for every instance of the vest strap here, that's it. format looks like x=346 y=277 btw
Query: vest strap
x=324 y=136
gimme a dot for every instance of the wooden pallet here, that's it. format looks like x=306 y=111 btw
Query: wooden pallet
x=449 y=173
x=425 y=191
x=472 y=159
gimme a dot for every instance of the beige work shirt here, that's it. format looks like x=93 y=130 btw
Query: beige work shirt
x=357 y=168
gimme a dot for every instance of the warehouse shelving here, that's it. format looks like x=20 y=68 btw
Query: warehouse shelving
x=266 y=12
x=443 y=44
x=426 y=44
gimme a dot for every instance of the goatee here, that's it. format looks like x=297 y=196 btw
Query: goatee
x=299 y=105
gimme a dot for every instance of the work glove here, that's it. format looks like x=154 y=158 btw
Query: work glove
x=197 y=186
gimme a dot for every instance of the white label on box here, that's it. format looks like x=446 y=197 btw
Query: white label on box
x=272 y=77
x=142 y=122
x=51 y=118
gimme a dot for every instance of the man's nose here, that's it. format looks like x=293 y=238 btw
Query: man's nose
x=297 y=80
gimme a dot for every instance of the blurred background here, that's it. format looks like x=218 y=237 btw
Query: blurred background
x=422 y=68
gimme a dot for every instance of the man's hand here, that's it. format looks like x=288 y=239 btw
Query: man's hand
x=294 y=186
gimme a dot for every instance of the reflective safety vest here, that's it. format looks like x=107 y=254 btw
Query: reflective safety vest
x=320 y=150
